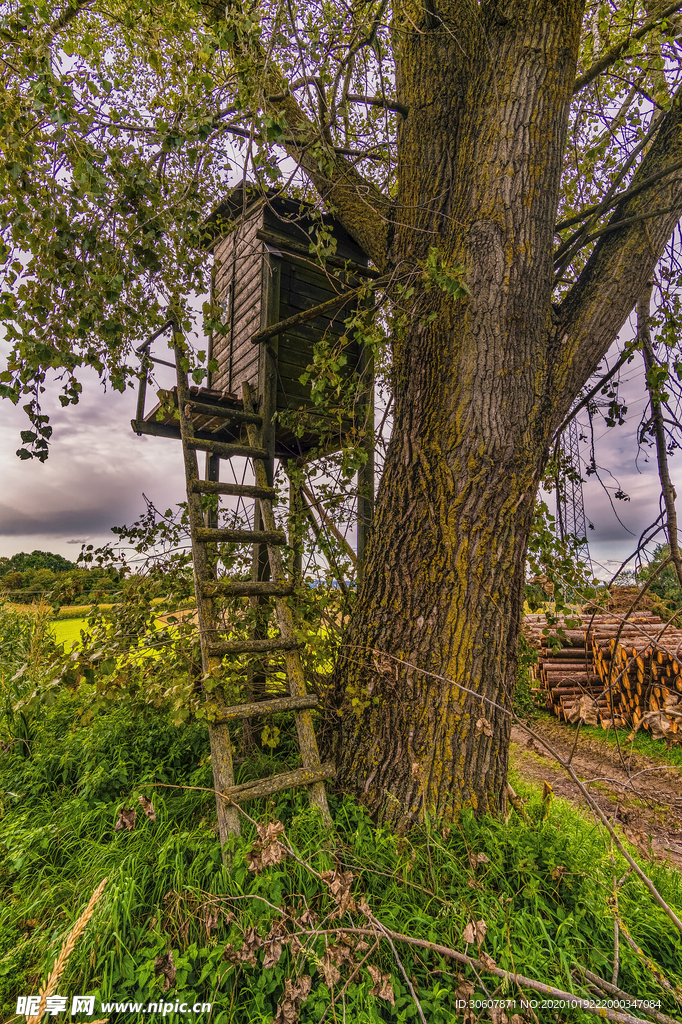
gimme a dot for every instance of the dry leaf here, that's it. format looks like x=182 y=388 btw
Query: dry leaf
x=585 y=710
x=339 y=883
x=126 y=819
x=517 y=1019
x=307 y=918
x=381 y=986
x=164 y=965
x=147 y=807
x=484 y=726
x=475 y=932
x=267 y=850
x=329 y=969
x=486 y=960
x=245 y=955
x=465 y=988
x=273 y=943
x=295 y=993
x=478 y=858
x=498 y=1016
x=209 y=918
x=558 y=872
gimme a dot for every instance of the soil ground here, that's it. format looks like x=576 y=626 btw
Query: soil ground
x=644 y=794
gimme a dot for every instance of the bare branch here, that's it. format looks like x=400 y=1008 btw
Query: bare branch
x=599 y=208
x=67 y=16
x=616 y=51
x=622 y=359
x=379 y=101
x=360 y=206
x=643 y=314
x=623 y=259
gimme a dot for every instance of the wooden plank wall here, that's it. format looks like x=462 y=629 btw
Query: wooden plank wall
x=240 y=273
x=302 y=287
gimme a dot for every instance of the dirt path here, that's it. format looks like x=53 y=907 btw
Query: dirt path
x=648 y=806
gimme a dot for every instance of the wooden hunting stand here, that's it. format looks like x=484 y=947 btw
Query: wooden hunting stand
x=277 y=301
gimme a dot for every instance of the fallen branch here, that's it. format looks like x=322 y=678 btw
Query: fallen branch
x=613 y=990
x=461 y=958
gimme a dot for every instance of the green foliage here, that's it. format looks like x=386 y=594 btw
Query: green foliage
x=543 y=888
x=525 y=703
x=23 y=561
x=559 y=577
x=664 y=581
x=439 y=272
x=26 y=578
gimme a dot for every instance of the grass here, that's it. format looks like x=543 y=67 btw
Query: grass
x=641 y=743
x=542 y=887
x=68 y=631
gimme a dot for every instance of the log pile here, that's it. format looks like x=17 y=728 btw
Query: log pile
x=612 y=672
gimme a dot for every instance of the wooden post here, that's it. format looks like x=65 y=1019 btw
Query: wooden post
x=267 y=406
x=366 y=474
x=295 y=541
x=219 y=734
x=212 y=472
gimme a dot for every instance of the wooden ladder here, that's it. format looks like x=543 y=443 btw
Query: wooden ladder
x=207 y=587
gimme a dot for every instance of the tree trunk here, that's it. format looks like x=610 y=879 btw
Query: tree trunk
x=440 y=607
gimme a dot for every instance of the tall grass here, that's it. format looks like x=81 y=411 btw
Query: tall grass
x=543 y=887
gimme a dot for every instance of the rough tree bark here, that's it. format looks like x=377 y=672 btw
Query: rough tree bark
x=481 y=159
x=480 y=389
x=479 y=393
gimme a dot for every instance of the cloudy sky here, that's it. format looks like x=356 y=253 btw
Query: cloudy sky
x=98 y=470
x=93 y=480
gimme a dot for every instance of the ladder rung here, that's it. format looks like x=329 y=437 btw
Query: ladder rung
x=236 y=415
x=236 y=490
x=275 y=784
x=245 y=588
x=268 y=707
x=208 y=535
x=223 y=647
x=225 y=451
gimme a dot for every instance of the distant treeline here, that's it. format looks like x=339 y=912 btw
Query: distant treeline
x=27 y=577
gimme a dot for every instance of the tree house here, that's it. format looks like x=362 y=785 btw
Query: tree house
x=265 y=276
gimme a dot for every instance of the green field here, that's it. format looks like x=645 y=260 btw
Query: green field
x=68 y=631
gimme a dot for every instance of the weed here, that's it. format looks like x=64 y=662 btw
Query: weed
x=177 y=924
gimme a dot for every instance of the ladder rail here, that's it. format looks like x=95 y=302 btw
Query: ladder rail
x=295 y=676
x=218 y=733
x=207 y=587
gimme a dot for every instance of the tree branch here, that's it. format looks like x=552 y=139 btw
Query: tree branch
x=615 y=51
x=379 y=101
x=623 y=259
x=599 y=208
x=643 y=314
x=624 y=356
x=357 y=202
x=71 y=11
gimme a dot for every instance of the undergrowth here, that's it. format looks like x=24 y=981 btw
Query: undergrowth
x=175 y=924
x=642 y=742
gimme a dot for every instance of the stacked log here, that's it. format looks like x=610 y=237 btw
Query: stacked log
x=612 y=672
x=641 y=671
x=565 y=672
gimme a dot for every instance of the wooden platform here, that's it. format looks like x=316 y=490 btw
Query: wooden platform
x=160 y=421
